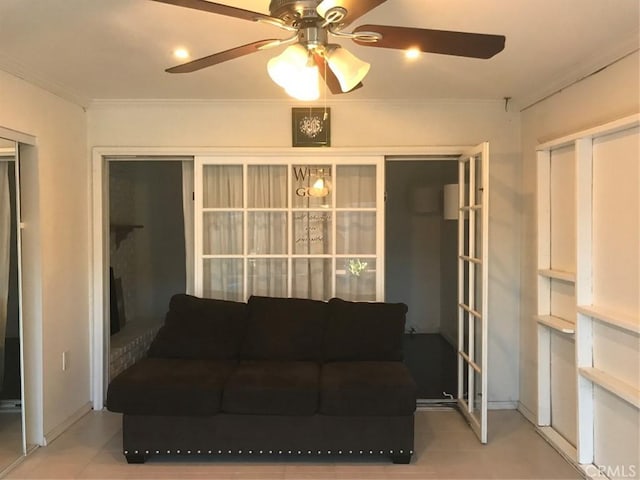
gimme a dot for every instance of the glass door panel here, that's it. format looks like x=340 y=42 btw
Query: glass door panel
x=267 y=277
x=267 y=186
x=312 y=233
x=222 y=233
x=356 y=186
x=267 y=233
x=472 y=290
x=223 y=278
x=356 y=279
x=312 y=186
x=312 y=278
x=356 y=233
x=222 y=186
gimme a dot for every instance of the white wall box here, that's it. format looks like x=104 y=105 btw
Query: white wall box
x=589 y=296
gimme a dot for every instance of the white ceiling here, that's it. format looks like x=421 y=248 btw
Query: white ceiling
x=118 y=49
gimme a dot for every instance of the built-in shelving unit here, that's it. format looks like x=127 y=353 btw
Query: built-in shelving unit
x=589 y=295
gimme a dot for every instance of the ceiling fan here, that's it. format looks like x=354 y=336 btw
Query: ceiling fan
x=310 y=55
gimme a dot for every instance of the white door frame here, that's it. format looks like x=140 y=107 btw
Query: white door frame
x=100 y=227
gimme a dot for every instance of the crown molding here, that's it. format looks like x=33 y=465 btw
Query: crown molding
x=597 y=62
x=18 y=70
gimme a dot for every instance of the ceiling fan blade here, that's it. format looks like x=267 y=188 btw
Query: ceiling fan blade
x=474 y=45
x=220 y=57
x=329 y=77
x=211 y=7
x=355 y=8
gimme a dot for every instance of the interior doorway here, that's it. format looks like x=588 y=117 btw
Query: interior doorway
x=147 y=259
x=421 y=269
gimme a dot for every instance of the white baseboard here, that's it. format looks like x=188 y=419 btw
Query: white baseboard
x=498 y=405
x=560 y=444
x=528 y=414
x=55 y=432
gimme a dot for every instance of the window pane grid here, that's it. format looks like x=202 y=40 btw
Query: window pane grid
x=289 y=244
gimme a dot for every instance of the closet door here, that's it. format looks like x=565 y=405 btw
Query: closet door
x=473 y=221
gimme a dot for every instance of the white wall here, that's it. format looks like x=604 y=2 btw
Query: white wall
x=56 y=237
x=610 y=94
x=267 y=124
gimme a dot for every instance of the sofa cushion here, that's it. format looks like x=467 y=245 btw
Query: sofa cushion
x=170 y=386
x=364 y=330
x=366 y=388
x=201 y=328
x=272 y=388
x=284 y=329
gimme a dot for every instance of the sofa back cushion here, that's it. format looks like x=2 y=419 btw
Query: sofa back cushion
x=201 y=328
x=364 y=331
x=284 y=329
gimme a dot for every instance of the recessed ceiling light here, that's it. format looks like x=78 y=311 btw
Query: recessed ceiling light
x=181 y=53
x=412 y=53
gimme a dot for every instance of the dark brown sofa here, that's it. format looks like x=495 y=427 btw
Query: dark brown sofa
x=273 y=376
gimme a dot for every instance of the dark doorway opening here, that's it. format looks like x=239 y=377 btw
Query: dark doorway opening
x=421 y=270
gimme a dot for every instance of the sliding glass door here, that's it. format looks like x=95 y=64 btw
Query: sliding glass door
x=300 y=227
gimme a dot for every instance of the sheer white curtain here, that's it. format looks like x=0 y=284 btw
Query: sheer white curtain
x=356 y=232
x=312 y=232
x=223 y=232
x=187 y=211
x=267 y=230
x=5 y=240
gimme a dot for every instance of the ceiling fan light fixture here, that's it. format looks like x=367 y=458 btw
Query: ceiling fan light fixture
x=348 y=68
x=285 y=66
x=305 y=84
x=296 y=72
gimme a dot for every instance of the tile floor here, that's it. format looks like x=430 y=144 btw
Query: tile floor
x=445 y=448
x=10 y=438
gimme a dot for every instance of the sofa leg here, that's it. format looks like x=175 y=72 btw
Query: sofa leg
x=135 y=458
x=401 y=459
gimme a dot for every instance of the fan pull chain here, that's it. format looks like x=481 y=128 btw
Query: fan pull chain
x=326 y=115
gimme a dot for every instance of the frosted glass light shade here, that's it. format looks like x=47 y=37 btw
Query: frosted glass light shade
x=348 y=68
x=293 y=72
x=304 y=84
x=285 y=65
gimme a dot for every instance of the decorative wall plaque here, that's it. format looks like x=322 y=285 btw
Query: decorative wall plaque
x=311 y=127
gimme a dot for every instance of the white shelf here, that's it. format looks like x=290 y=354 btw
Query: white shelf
x=569 y=277
x=608 y=316
x=557 y=323
x=626 y=392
